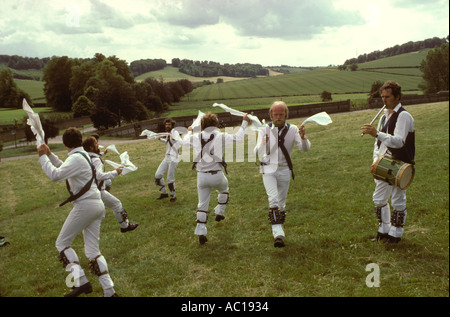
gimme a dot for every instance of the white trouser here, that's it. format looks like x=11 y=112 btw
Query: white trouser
x=383 y=191
x=115 y=204
x=170 y=165
x=86 y=216
x=277 y=186
x=205 y=183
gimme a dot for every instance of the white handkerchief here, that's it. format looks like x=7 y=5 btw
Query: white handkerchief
x=113 y=148
x=35 y=123
x=152 y=135
x=255 y=123
x=321 y=118
x=197 y=122
x=124 y=161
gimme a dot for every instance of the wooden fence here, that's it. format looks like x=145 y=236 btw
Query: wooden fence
x=226 y=119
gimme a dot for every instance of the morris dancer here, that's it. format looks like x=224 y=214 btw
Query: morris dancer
x=276 y=164
x=209 y=146
x=86 y=216
x=90 y=145
x=170 y=162
x=394 y=137
x=107 y=181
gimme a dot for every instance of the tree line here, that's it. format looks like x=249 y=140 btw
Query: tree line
x=397 y=50
x=213 y=69
x=143 y=66
x=23 y=63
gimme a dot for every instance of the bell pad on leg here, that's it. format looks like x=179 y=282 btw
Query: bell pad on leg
x=94 y=266
x=398 y=218
x=276 y=216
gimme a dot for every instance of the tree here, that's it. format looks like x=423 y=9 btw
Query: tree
x=375 y=89
x=49 y=127
x=80 y=75
x=11 y=96
x=83 y=107
x=435 y=68
x=57 y=74
x=109 y=90
x=103 y=118
x=326 y=96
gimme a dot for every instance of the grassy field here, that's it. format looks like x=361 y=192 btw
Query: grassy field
x=412 y=59
x=7 y=116
x=330 y=219
x=301 y=83
x=170 y=73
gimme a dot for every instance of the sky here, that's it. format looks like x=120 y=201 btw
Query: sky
x=267 y=32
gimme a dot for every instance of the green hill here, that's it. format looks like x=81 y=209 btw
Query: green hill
x=170 y=73
x=412 y=59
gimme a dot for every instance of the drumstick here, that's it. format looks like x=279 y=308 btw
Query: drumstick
x=375 y=118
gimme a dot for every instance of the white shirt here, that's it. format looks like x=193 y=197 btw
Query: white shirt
x=404 y=125
x=172 y=150
x=292 y=136
x=100 y=168
x=217 y=145
x=75 y=169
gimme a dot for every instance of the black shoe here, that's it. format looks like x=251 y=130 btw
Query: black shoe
x=202 y=239
x=380 y=236
x=130 y=227
x=219 y=217
x=3 y=243
x=114 y=295
x=172 y=199
x=162 y=196
x=391 y=240
x=85 y=288
x=279 y=242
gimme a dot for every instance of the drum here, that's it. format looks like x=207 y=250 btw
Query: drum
x=394 y=172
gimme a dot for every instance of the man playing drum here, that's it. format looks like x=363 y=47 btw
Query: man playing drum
x=394 y=138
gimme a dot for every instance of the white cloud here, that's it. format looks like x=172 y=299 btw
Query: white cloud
x=267 y=32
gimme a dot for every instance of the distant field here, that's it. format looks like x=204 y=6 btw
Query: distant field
x=170 y=73
x=403 y=60
x=33 y=87
x=7 y=116
x=301 y=83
